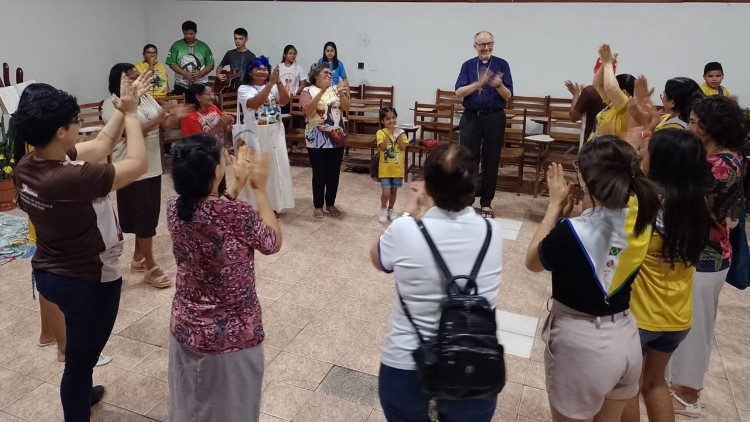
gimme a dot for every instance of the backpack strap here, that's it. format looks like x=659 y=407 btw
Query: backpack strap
x=471 y=279
x=408 y=315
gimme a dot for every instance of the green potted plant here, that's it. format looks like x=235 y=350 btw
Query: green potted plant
x=8 y=193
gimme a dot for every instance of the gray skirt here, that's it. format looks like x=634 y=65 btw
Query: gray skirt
x=208 y=387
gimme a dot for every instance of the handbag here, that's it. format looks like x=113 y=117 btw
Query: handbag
x=739 y=269
x=242 y=134
x=375 y=165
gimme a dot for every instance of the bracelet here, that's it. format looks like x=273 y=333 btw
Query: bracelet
x=227 y=195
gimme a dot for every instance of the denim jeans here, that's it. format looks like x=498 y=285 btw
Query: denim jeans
x=90 y=311
x=402 y=400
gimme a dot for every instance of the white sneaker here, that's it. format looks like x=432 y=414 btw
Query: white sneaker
x=103 y=360
x=701 y=399
x=681 y=407
x=392 y=214
x=383 y=216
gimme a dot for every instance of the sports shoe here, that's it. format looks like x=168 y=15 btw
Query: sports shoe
x=681 y=407
x=701 y=399
x=103 y=360
x=392 y=214
x=97 y=392
x=383 y=216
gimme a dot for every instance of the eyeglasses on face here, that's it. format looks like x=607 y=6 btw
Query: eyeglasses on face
x=484 y=44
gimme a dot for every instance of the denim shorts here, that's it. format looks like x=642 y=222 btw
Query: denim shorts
x=391 y=182
x=665 y=341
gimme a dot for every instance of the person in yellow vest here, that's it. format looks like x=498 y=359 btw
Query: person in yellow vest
x=713 y=76
x=678 y=98
x=616 y=92
x=661 y=300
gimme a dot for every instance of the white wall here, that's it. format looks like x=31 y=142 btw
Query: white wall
x=71 y=44
x=419 y=47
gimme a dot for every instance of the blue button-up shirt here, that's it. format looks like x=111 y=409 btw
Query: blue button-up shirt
x=488 y=98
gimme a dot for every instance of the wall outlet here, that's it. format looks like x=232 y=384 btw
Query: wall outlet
x=361 y=65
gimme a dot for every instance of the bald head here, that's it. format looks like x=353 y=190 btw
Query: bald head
x=484 y=42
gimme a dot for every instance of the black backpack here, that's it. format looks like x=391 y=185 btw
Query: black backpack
x=464 y=360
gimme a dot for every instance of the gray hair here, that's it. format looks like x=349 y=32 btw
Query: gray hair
x=315 y=70
x=484 y=32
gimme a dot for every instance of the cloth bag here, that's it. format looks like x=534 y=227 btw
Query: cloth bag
x=242 y=133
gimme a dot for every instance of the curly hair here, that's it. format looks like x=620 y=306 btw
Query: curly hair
x=315 y=70
x=37 y=121
x=723 y=120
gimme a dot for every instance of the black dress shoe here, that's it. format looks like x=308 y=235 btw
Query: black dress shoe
x=97 y=392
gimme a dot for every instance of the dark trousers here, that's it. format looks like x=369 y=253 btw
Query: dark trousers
x=484 y=136
x=326 y=168
x=402 y=400
x=90 y=311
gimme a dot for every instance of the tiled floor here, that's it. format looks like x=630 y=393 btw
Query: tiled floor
x=326 y=312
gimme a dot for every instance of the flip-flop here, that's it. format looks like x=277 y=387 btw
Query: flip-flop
x=318 y=213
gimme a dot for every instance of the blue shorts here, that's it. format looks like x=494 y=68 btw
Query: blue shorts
x=391 y=182
x=665 y=342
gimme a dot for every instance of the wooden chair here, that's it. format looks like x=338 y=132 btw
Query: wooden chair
x=363 y=112
x=91 y=114
x=167 y=136
x=383 y=93
x=355 y=92
x=295 y=133
x=536 y=108
x=228 y=102
x=512 y=153
x=5 y=81
x=449 y=97
x=567 y=137
x=435 y=121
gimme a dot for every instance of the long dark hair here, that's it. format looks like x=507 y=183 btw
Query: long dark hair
x=683 y=92
x=194 y=161
x=30 y=93
x=335 y=60
x=678 y=164
x=291 y=47
x=611 y=171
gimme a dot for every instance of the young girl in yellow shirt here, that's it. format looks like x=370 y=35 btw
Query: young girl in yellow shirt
x=391 y=142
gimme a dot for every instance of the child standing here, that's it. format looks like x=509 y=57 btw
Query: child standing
x=713 y=75
x=392 y=144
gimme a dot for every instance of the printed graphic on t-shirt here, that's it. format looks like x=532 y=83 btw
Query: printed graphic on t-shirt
x=269 y=112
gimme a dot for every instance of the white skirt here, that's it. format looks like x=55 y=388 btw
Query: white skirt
x=279 y=187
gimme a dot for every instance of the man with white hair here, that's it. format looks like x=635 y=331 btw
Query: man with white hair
x=485 y=85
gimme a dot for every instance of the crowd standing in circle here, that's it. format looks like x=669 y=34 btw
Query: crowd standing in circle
x=631 y=272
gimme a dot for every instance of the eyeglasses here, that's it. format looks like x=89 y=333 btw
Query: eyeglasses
x=326 y=73
x=484 y=44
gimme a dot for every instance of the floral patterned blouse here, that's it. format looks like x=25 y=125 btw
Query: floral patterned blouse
x=723 y=191
x=215 y=307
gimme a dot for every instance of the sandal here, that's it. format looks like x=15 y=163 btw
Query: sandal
x=318 y=213
x=681 y=407
x=156 y=277
x=486 y=212
x=138 y=266
x=333 y=211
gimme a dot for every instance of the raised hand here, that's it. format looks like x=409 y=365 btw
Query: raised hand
x=274 y=75
x=241 y=165
x=259 y=171
x=605 y=54
x=573 y=87
x=415 y=199
x=127 y=102
x=177 y=110
x=641 y=90
x=559 y=190
x=143 y=83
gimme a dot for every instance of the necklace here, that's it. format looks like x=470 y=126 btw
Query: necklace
x=485 y=71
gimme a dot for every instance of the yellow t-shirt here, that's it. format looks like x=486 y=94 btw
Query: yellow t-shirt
x=391 y=163
x=612 y=121
x=161 y=81
x=662 y=296
x=667 y=122
x=707 y=90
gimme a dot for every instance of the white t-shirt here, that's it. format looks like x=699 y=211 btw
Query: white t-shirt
x=291 y=77
x=403 y=250
x=148 y=109
x=268 y=113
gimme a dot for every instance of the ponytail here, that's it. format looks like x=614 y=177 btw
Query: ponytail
x=611 y=172
x=194 y=161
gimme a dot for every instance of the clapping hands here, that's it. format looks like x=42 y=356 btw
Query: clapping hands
x=130 y=92
x=560 y=195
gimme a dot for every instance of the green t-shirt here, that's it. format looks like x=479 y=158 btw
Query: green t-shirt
x=190 y=57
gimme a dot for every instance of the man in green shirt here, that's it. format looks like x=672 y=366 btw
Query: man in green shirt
x=190 y=59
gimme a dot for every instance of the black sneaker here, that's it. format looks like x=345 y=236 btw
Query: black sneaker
x=97 y=392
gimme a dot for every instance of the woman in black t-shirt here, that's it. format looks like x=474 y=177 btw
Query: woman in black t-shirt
x=593 y=354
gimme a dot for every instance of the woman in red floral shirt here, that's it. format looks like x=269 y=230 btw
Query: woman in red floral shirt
x=216 y=352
